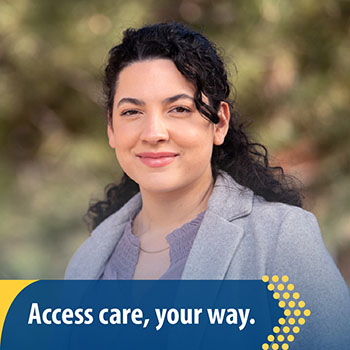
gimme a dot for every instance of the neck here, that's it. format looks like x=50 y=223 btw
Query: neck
x=161 y=213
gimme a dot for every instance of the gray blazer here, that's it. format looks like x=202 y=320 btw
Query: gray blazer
x=242 y=236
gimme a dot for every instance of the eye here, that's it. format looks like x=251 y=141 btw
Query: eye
x=180 y=110
x=129 y=112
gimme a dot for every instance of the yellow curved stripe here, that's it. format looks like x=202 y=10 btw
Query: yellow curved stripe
x=9 y=289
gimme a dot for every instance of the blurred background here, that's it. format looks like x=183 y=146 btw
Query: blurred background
x=289 y=61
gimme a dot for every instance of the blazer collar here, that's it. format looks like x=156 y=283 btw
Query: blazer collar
x=229 y=199
x=216 y=239
x=219 y=235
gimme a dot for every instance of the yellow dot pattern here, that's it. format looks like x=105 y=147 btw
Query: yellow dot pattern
x=286 y=329
x=286 y=295
x=296 y=330
x=301 y=321
x=276 y=329
x=290 y=287
x=280 y=286
x=265 y=278
x=296 y=295
x=291 y=304
x=270 y=287
x=291 y=321
x=270 y=338
x=287 y=312
x=295 y=313
x=276 y=295
x=307 y=312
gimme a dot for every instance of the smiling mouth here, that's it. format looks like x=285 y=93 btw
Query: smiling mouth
x=156 y=159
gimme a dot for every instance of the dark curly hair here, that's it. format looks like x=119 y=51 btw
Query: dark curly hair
x=199 y=62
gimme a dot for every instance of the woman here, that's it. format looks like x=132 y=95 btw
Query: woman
x=198 y=200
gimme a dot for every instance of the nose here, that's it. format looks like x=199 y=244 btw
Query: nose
x=154 y=129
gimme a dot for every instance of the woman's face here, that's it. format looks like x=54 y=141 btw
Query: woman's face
x=160 y=139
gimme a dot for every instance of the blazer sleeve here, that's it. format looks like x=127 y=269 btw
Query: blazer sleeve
x=301 y=255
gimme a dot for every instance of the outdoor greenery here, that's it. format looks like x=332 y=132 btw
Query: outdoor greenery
x=289 y=62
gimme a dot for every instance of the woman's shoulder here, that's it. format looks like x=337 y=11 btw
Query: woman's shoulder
x=273 y=225
x=234 y=201
x=285 y=228
x=271 y=211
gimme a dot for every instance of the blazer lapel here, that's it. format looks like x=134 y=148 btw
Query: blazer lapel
x=209 y=259
x=212 y=251
x=219 y=235
x=215 y=244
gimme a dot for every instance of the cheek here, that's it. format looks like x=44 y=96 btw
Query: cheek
x=124 y=136
x=197 y=142
x=123 y=144
x=202 y=135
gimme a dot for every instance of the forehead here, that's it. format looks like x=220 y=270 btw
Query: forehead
x=151 y=79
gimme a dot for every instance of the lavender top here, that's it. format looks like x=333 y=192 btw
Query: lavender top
x=122 y=263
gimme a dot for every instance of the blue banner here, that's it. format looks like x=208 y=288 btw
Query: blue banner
x=86 y=315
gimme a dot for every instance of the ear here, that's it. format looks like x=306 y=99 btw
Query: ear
x=110 y=133
x=221 y=128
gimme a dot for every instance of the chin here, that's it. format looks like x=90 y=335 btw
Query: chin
x=160 y=183
x=158 y=186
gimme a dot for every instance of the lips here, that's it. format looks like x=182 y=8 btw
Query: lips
x=156 y=159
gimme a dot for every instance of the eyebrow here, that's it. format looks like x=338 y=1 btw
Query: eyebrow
x=177 y=97
x=138 y=102
x=131 y=100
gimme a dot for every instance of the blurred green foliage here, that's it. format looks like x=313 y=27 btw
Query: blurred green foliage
x=292 y=79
